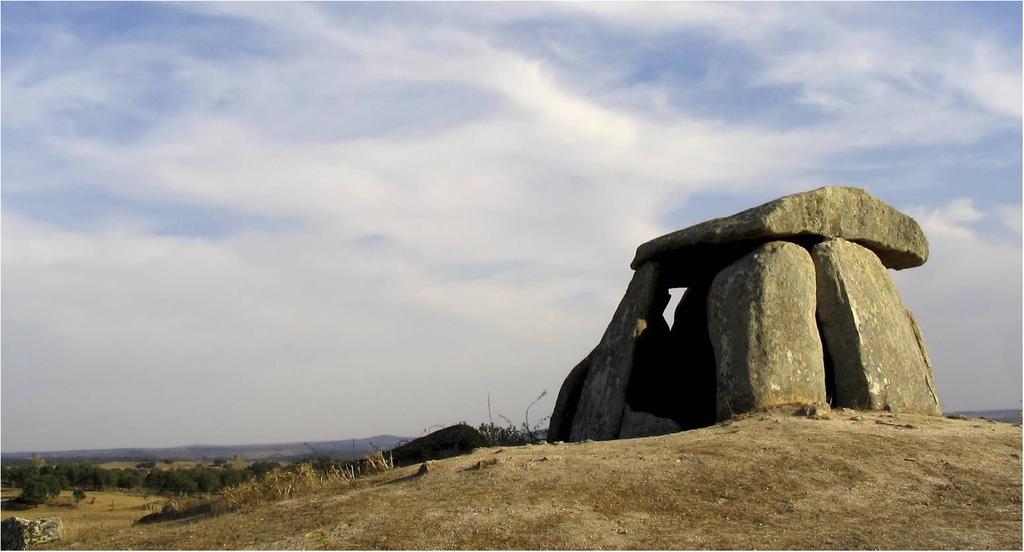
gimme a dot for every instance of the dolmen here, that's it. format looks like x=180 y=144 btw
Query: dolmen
x=787 y=303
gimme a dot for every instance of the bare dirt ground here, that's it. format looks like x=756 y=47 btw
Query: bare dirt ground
x=766 y=481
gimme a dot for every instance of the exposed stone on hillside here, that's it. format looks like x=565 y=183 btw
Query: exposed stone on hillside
x=450 y=441
x=19 y=533
x=763 y=330
x=829 y=212
x=876 y=348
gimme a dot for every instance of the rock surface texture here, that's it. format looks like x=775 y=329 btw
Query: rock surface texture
x=763 y=329
x=787 y=303
x=18 y=533
x=877 y=353
x=644 y=424
x=829 y=212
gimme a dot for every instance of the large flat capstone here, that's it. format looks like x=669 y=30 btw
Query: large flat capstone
x=829 y=212
x=877 y=351
x=763 y=330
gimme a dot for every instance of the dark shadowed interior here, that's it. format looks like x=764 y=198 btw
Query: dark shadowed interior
x=674 y=372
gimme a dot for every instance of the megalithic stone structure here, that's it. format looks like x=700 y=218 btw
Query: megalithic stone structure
x=787 y=303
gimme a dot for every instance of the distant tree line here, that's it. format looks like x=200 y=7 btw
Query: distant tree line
x=39 y=481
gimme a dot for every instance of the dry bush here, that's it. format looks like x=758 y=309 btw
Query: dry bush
x=279 y=484
x=284 y=483
x=376 y=463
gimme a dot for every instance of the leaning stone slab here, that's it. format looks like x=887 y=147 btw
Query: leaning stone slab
x=830 y=212
x=568 y=398
x=763 y=330
x=876 y=347
x=602 y=399
x=645 y=424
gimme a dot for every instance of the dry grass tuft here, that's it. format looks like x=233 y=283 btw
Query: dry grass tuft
x=304 y=479
x=280 y=484
x=376 y=463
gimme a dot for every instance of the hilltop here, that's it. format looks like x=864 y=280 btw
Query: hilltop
x=857 y=480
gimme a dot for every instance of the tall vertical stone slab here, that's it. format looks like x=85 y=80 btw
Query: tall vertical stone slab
x=602 y=400
x=876 y=347
x=761 y=320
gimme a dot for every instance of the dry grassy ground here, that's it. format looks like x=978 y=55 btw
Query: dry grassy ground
x=766 y=481
x=98 y=512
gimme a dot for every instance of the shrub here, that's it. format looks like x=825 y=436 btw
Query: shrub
x=38 y=489
x=511 y=434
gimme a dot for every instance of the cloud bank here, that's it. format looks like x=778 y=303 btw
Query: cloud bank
x=255 y=222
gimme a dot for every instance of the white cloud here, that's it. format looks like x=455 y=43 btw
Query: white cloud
x=1010 y=216
x=968 y=299
x=505 y=216
x=952 y=219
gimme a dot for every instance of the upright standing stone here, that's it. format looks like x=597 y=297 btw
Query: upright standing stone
x=763 y=331
x=876 y=348
x=602 y=400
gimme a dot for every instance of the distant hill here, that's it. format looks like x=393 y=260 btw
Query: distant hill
x=342 y=449
x=999 y=415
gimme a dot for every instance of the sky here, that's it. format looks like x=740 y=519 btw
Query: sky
x=241 y=223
